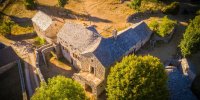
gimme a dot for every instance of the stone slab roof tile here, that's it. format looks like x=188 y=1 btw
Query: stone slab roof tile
x=42 y=20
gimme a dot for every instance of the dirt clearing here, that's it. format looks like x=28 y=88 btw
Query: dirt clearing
x=106 y=15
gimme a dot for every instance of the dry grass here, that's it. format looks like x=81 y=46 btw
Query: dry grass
x=60 y=64
x=17 y=9
x=106 y=15
x=19 y=30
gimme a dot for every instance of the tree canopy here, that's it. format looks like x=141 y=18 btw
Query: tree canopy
x=59 y=88
x=191 y=39
x=137 y=78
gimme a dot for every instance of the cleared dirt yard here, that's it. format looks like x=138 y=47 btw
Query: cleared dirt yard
x=106 y=15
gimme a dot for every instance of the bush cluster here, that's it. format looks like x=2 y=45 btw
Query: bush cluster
x=163 y=28
x=173 y=8
x=191 y=39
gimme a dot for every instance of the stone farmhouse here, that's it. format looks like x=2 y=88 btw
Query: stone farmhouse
x=90 y=53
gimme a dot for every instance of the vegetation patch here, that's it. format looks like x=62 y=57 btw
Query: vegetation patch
x=173 y=8
x=62 y=3
x=164 y=27
x=39 y=41
x=9 y=27
x=19 y=30
x=191 y=39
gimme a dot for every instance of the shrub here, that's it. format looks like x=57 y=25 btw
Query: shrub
x=173 y=8
x=135 y=4
x=40 y=41
x=29 y=4
x=191 y=39
x=137 y=78
x=166 y=27
x=62 y=3
x=154 y=25
x=59 y=88
x=163 y=28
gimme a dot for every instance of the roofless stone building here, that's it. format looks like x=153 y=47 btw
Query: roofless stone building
x=92 y=55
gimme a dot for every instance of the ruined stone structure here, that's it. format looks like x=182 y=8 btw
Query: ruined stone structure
x=46 y=27
x=92 y=55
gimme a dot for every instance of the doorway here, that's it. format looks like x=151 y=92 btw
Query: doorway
x=88 y=88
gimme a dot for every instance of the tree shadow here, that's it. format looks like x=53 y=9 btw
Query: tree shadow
x=68 y=14
x=22 y=37
x=140 y=16
x=24 y=22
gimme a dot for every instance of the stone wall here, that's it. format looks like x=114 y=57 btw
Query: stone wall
x=41 y=33
x=7 y=67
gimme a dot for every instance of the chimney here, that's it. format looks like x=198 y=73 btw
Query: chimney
x=114 y=33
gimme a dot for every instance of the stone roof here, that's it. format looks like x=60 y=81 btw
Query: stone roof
x=7 y=55
x=42 y=20
x=179 y=85
x=111 y=50
x=106 y=50
x=78 y=36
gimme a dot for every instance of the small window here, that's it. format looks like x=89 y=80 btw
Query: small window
x=92 y=70
x=91 y=60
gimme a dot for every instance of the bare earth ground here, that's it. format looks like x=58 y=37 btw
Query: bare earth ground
x=105 y=15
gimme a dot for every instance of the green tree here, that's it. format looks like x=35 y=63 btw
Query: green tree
x=62 y=3
x=137 y=78
x=191 y=39
x=59 y=88
x=29 y=4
